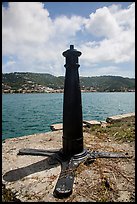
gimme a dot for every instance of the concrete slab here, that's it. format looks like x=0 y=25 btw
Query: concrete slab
x=117 y=118
x=55 y=127
x=92 y=123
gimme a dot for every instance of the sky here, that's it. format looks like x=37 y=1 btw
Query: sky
x=35 y=34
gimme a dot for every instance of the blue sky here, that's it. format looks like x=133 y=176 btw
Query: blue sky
x=78 y=8
x=35 y=34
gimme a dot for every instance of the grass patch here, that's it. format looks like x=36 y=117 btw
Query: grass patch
x=8 y=195
x=122 y=131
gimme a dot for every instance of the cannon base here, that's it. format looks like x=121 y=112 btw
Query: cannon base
x=64 y=185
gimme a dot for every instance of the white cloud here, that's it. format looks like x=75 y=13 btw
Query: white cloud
x=34 y=38
x=124 y=17
x=25 y=25
x=118 y=44
x=67 y=26
x=37 y=41
x=102 y=23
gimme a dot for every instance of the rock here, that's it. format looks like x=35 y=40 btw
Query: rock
x=118 y=118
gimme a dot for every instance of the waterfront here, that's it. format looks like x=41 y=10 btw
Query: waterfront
x=25 y=114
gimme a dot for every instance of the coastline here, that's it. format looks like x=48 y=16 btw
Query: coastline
x=58 y=91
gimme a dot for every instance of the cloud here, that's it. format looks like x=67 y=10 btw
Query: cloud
x=36 y=41
x=102 y=23
x=118 y=44
x=67 y=26
x=34 y=38
x=25 y=25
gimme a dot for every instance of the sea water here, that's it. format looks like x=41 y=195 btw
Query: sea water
x=25 y=114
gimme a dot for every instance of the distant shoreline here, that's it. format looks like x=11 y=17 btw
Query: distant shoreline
x=82 y=91
x=46 y=83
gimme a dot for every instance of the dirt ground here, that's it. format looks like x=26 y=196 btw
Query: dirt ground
x=109 y=179
x=104 y=179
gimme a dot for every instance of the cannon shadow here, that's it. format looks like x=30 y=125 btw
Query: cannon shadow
x=22 y=172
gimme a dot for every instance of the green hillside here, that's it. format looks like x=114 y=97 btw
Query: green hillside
x=108 y=83
x=19 y=80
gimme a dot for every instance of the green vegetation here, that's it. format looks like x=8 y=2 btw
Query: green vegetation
x=108 y=83
x=8 y=195
x=19 y=80
x=122 y=131
x=108 y=180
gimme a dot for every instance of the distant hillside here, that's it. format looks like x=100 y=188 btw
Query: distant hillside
x=17 y=79
x=108 y=83
x=27 y=80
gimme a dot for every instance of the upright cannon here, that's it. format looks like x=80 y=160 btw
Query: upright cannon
x=72 y=107
x=73 y=151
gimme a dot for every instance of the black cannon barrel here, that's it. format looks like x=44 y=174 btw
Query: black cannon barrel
x=72 y=107
x=72 y=153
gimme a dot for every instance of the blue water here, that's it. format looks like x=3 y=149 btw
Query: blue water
x=25 y=114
